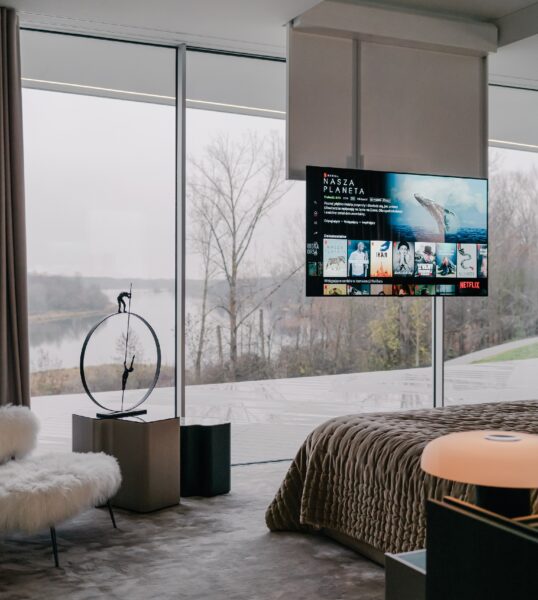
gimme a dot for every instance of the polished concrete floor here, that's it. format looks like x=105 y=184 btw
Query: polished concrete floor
x=204 y=549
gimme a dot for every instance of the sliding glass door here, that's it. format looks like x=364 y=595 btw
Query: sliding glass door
x=491 y=344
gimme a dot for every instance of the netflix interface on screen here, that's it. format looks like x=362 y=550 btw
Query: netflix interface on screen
x=372 y=233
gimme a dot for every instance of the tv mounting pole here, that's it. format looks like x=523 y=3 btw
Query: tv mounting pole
x=438 y=363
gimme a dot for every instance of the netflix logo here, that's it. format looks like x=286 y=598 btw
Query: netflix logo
x=472 y=288
x=468 y=285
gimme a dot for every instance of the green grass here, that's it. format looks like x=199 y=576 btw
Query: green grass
x=530 y=351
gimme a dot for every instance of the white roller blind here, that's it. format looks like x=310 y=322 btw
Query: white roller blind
x=236 y=84
x=513 y=118
x=98 y=67
x=145 y=73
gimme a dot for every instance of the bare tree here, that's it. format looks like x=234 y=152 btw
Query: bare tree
x=238 y=183
x=203 y=219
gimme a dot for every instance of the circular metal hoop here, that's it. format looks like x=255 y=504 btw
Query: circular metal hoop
x=83 y=354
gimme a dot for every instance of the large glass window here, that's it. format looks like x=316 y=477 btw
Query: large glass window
x=491 y=344
x=259 y=353
x=100 y=187
x=100 y=166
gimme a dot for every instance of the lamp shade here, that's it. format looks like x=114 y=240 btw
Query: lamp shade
x=504 y=459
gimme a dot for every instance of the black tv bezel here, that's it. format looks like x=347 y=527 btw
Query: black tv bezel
x=382 y=172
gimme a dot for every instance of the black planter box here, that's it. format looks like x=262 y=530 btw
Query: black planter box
x=205 y=458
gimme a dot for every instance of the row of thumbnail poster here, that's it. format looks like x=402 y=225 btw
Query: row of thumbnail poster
x=379 y=259
x=403 y=289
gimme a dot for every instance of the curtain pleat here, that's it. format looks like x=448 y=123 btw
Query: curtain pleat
x=14 y=343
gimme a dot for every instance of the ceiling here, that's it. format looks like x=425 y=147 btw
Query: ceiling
x=482 y=10
x=255 y=26
x=243 y=25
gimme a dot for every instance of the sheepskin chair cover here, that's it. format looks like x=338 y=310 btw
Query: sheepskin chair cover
x=43 y=490
x=18 y=432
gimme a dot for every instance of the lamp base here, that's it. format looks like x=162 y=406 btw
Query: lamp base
x=508 y=502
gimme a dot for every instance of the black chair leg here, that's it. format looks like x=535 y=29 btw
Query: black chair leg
x=111 y=514
x=54 y=546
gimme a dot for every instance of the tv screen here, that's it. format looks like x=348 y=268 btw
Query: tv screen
x=373 y=233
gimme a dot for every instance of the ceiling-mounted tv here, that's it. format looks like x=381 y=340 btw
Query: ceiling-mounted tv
x=374 y=233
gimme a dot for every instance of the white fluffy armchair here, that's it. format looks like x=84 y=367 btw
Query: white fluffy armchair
x=41 y=491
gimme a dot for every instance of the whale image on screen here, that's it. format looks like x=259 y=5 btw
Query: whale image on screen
x=439 y=209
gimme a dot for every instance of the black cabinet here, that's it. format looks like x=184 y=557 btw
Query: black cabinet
x=405 y=576
x=205 y=457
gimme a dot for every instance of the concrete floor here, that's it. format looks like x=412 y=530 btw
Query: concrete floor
x=204 y=549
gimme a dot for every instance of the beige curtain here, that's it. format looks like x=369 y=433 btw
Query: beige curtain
x=14 y=346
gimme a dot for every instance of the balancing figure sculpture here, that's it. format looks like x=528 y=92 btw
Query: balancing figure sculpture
x=125 y=376
x=121 y=301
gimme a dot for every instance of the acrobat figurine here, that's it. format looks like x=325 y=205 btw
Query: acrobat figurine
x=121 y=301
x=126 y=371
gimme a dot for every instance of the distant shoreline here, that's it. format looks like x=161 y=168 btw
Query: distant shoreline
x=64 y=315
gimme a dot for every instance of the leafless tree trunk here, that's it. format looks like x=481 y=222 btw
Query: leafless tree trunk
x=249 y=338
x=262 y=336
x=202 y=218
x=219 y=345
x=203 y=321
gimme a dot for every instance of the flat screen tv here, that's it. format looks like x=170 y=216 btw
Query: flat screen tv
x=374 y=233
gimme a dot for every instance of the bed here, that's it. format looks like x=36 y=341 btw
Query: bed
x=357 y=478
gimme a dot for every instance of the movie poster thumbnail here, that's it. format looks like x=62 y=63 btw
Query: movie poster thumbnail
x=424 y=289
x=445 y=290
x=334 y=257
x=312 y=249
x=424 y=259
x=380 y=289
x=314 y=269
x=403 y=289
x=334 y=289
x=381 y=259
x=403 y=259
x=446 y=260
x=358 y=258
x=466 y=260
x=358 y=289
x=482 y=252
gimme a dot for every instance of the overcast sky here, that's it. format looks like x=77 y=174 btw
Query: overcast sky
x=100 y=184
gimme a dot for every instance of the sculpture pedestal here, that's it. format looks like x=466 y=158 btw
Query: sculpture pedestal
x=147 y=452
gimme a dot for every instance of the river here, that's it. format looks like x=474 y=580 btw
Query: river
x=57 y=343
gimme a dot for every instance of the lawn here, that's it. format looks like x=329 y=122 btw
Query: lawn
x=530 y=351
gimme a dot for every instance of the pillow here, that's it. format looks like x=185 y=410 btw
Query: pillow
x=18 y=432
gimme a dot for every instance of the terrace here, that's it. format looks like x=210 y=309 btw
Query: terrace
x=272 y=417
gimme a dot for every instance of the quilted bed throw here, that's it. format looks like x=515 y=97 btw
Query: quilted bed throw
x=360 y=474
